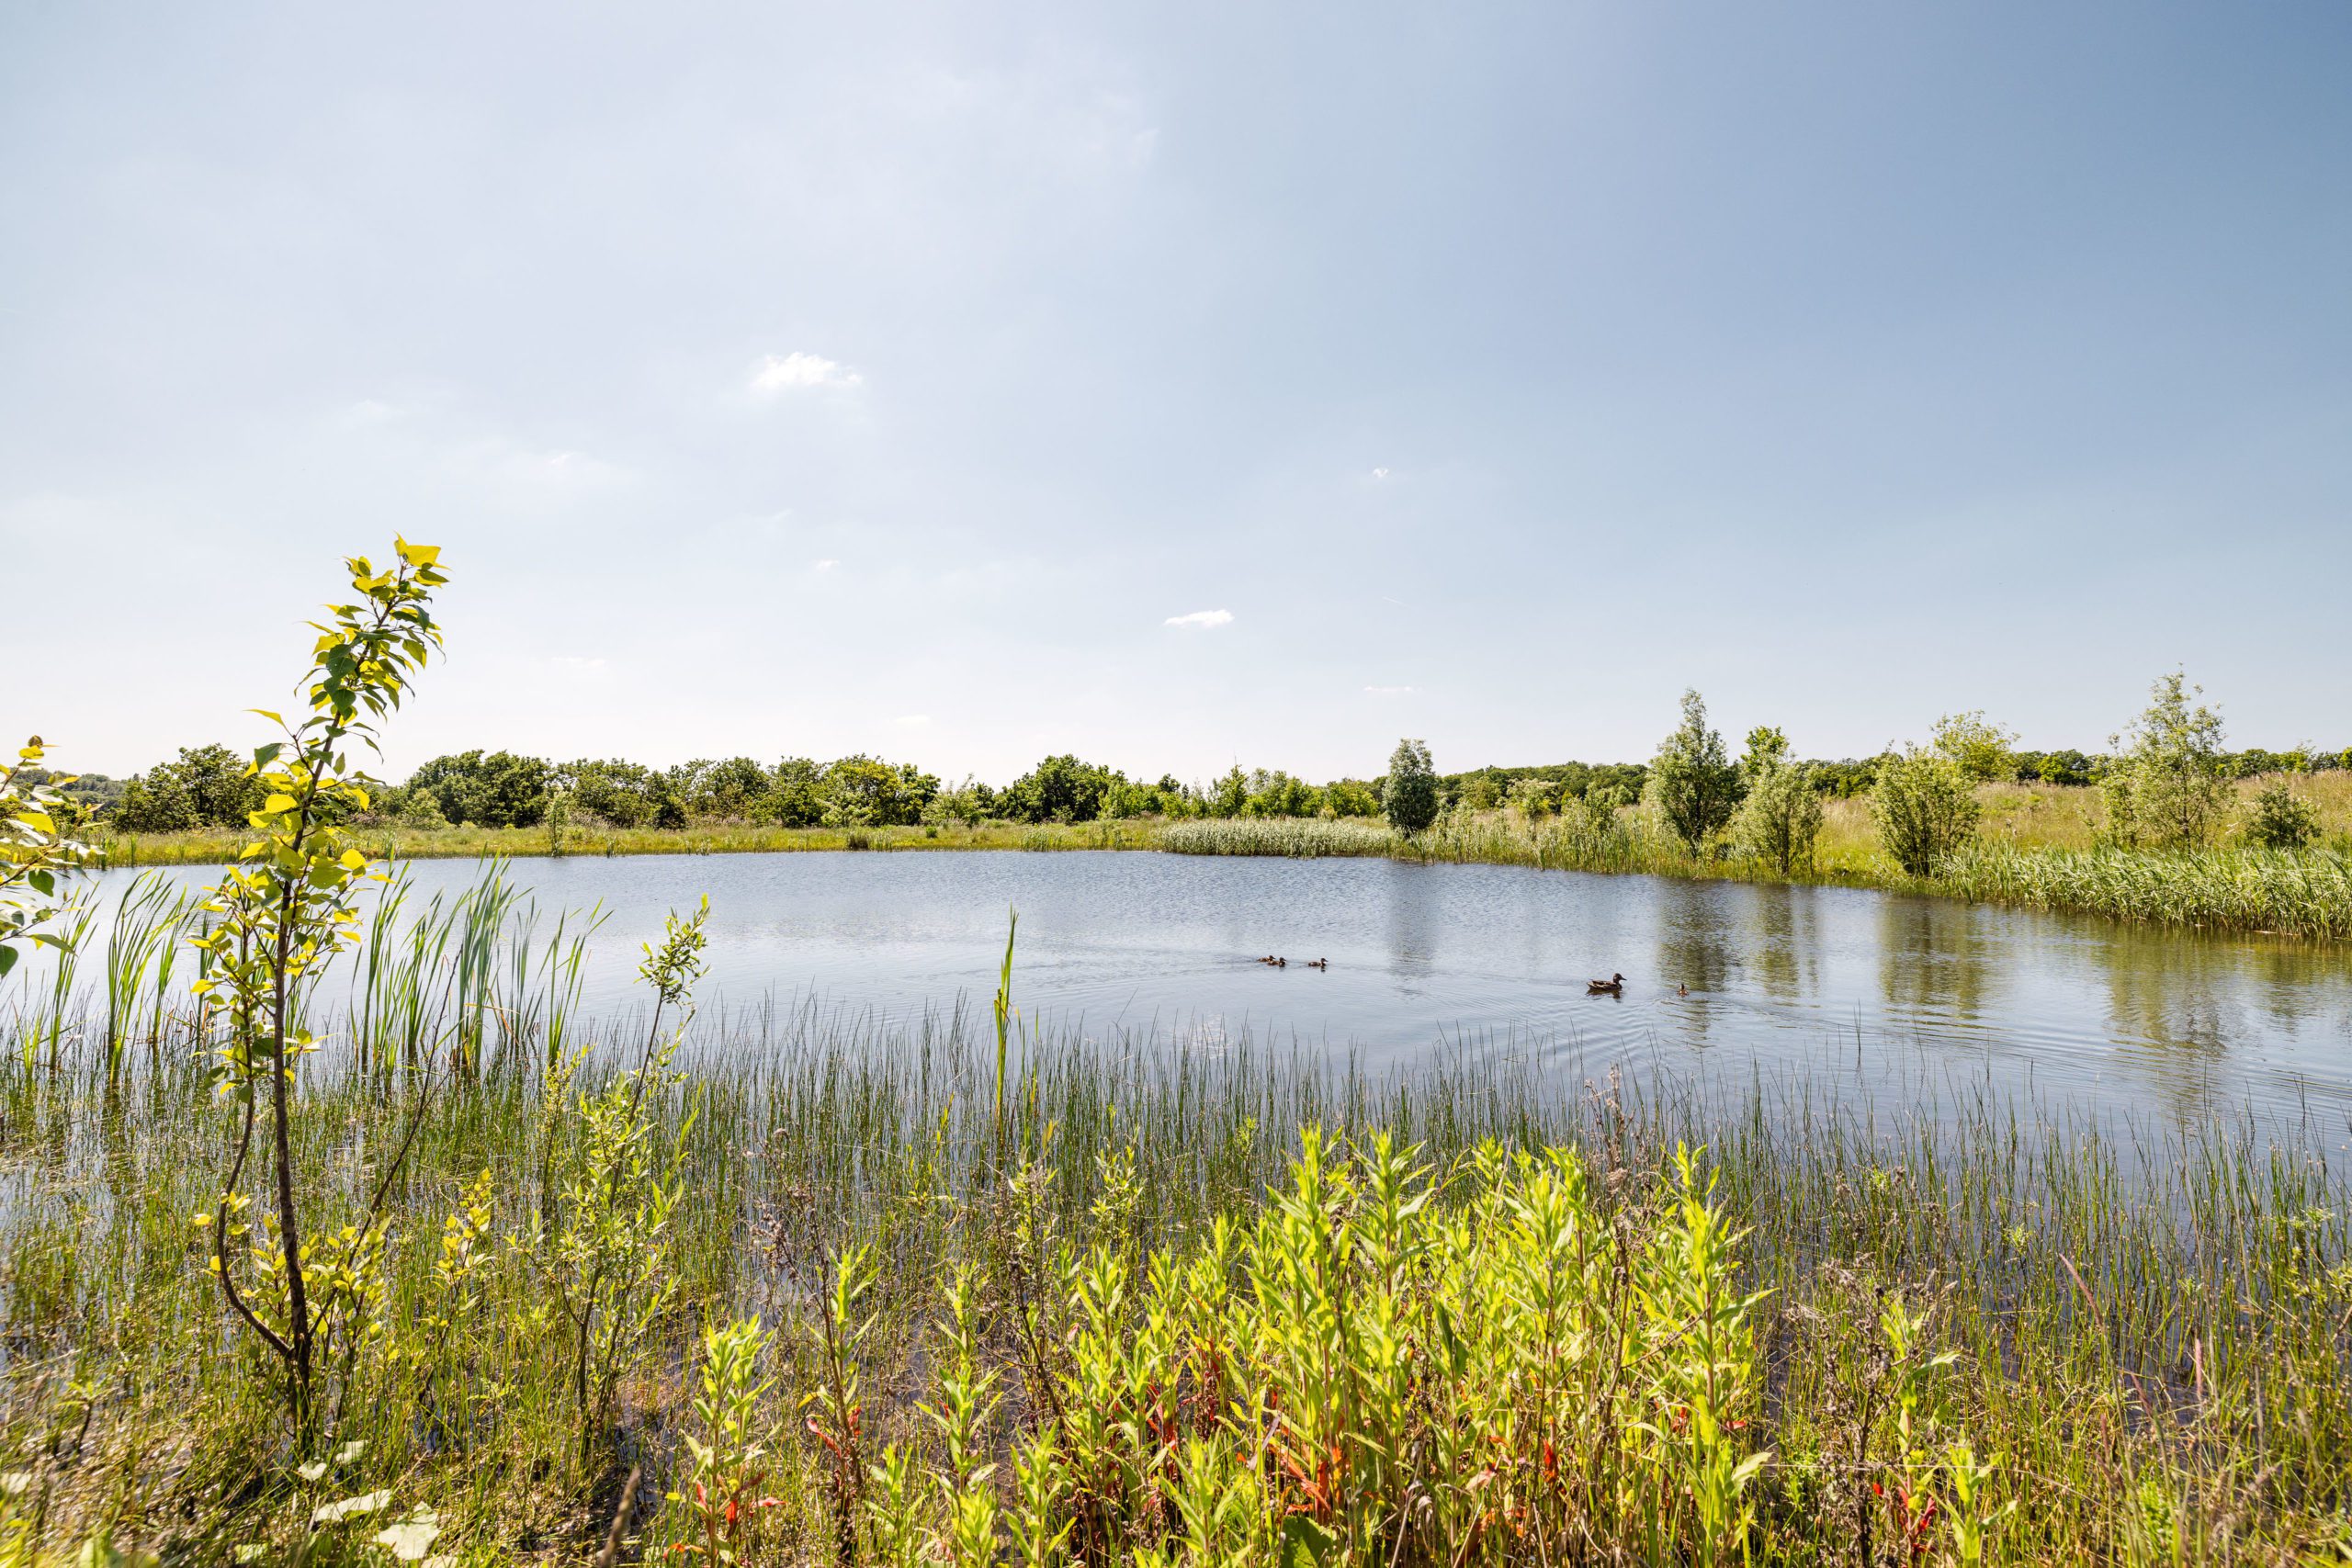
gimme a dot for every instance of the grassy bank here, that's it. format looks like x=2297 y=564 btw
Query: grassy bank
x=216 y=846
x=1165 y=1305
x=2038 y=847
x=2035 y=851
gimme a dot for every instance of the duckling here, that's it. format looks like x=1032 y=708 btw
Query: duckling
x=1612 y=986
x=1681 y=990
x=1318 y=964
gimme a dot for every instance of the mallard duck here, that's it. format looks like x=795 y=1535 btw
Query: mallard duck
x=1318 y=964
x=1612 y=986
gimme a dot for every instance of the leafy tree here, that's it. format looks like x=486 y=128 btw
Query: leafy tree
x=1059 y=789
x=1231 y=795
x=2282 y=819
x=2056 y=767
x=1409 y=795
x=1352 y=797
x=496 y=789
x=1925 y=805
x=625 y=795
x=795 y=796
x=1780 y=817
x=863 y=791
x=1692 y=783
x=279 y=917
x=2165 y=788
x=731 y=787
x=1985 y=751
x=208 y=786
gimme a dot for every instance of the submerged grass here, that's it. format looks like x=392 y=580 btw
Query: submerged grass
x=1169 y=1303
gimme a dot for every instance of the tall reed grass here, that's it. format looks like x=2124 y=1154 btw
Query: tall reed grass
x=1153 y=1299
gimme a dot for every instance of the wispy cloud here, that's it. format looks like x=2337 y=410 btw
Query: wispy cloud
x=1380 y=473
x=1202 y=620
x=827 y=564
x=1389 y=690
x=798 y=370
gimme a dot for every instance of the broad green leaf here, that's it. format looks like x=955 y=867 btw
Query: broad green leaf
x=350 y=1507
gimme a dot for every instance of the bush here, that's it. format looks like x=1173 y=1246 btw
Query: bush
x=1409 y=795
x=2165 y=789
x=2281 y=819
x=1925 y=806
x=1781 y=817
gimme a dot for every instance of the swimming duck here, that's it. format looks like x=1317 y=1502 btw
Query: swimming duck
x=1681 y=990
x=1612 y=986
x=1318 y=964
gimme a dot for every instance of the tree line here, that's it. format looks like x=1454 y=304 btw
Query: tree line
x=1693 y=784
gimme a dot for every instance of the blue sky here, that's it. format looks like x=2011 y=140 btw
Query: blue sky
x=901 y=379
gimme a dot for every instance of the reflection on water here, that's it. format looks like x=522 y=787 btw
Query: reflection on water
x=2121 y=1016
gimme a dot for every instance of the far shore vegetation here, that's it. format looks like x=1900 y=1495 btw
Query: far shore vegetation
x=2165 y=826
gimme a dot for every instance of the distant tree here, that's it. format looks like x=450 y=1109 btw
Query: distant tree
x=1692 y=783
x=623 y=795
x=494 y=789
x=1925 y=805
x=2056 y=767
x=2165 y=788
x=1231 y=795
x=796 y=793
x=2281 y=819
x=1352 y=797
x=1409 y=795
x=863 y=791
x=1059 y=789
x=728 y=787
x=1780 y=817
x=1985 y=751
x=208 y=786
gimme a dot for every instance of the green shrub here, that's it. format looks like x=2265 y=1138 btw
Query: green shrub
x=2281 y=819
x=1925 y=806
x=1409 y=795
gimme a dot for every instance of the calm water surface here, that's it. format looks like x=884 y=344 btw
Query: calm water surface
x=1830 y=978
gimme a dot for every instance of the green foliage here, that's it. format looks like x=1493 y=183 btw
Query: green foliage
x=1982 y=749
x=495 y=789
x=2165 y=789
x=863 y=792
x=209 y=786
x=279 y=917
x=604 y=1248
x=1780 y=817
x=1693 y=784
x=2281 y=819
x=1059 y=789
x=34 y=854
x=1925 y=807
x=1409 y=798
x=728 y=1460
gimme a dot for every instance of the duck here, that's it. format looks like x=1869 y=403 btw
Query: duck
x=1681 y=990
x=1612 y=986
x=1318 y=964
x=1282 y=963
x=1270 y=959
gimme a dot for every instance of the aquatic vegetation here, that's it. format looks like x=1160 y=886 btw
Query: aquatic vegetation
x=1039 y=1296
x=1306 y=837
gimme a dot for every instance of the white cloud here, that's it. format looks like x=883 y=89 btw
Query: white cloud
x=797 y=370
x=1389 y=690
x=1202 y=620
x=1380 y=473
x=827 y=564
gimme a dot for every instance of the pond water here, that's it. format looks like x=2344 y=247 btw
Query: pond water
x=1889 y=990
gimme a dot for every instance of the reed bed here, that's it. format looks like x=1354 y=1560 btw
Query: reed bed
x=1140 y=1298
x=1304 y=838
x=2298 y=893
